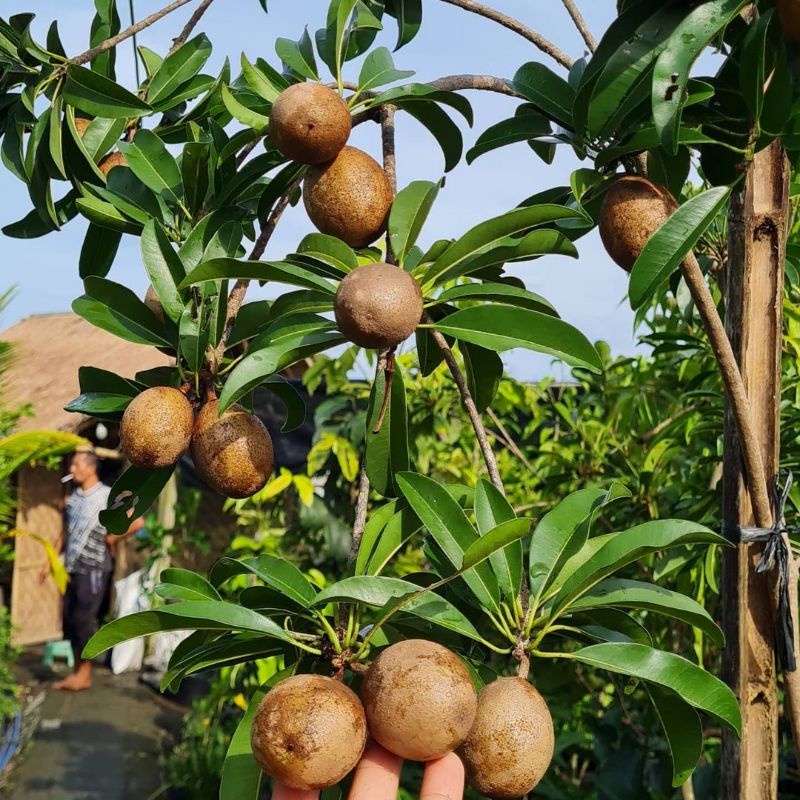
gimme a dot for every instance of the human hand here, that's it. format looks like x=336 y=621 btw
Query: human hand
x=377 y=777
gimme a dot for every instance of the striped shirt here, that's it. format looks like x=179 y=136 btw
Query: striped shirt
x=86 y=537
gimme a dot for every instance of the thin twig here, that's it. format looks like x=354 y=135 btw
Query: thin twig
x=386 y=117
x=580 y=24
x=469 y=404
x=509 y=441
x=239 y=291
x=113 y=41
x=387 y=390
x=545 y=45
x=184 y=35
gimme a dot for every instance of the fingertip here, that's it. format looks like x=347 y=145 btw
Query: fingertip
x=377 y=776
x=285 y=793
x=444 y=779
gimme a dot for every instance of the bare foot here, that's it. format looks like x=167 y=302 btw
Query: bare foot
x=74 y=683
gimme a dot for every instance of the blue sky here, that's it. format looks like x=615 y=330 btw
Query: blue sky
x=588 y=292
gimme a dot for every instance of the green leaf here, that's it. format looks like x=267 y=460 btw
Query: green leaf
x=484 y=370
x=200 y=615
x=378 y=69
x=268 y=87
x=634 y=43
x=673 y=241
x=409 y=19
x=55 y=132
x=561 y=534
x=379 y=591
x=520 y=128
x=153 y=164
x=492 y=232
x=506 y=533
x=692 y=683
x=492 y=509
x=329 y=249
x=277 y=271
x=241 y=112
x=131 y=497
x=502 y=328
x=100 y=405
x=92 y=379
x=284 y=576
x=195 y=173
x=104 y=215
x=674 y=65
x=408 y=214
x=298 y=56
x=373 y=530
x=403 y=525
x=99 y=250
x=752 y=64
x=621 y=593
x=105 y=24
x=126 y=311
x=441 y=127
x=683 y=731
x=422 y=92
x=387 y=452
x=286 y=341
x=99 y=96
x=241 y=776
x=182 y=584
x=447 y=523
x=506 y=293
x=629 y=546
x=164 y=268
x=179 y=68
x=291 y=399
x=549 y=92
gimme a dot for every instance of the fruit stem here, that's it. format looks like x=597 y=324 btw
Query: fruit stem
x=388 y=372
x=523 y=661
x=329 y=632
x=501 y=626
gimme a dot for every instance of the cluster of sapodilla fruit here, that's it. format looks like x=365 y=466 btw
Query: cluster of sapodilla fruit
x=418 y=702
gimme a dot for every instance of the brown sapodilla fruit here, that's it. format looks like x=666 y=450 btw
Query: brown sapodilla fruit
x=156 y=428
x=349 y=197
x=309 y=732
x=309 y=123
x=510 y=746
x=81 y=125
x=232 y=452
x=378 y=305
x=153 y=303
x=633 y=210
x=115 y=159
x=789 y=14
x=419 y=700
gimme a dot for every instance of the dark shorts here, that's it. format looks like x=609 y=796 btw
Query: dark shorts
x=82 y=603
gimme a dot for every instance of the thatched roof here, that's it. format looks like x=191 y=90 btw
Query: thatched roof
x=48 y=350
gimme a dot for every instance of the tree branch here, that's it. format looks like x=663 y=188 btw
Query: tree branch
x=580 y=24
x=469 y=404
x=545 y=45
x=386 y=115
x=239 y=291
x=83 y=58
x=189 y=26
x=734 y=386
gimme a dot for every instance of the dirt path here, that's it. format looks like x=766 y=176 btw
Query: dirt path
x=104 y=743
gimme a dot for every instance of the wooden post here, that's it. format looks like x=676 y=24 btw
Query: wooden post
x=754 y=317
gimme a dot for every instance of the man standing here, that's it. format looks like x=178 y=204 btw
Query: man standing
x=88 y=561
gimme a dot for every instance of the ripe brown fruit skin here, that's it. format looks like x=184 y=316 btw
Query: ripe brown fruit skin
x=156 y=428
x=81 y=125
x=349 y=197
x=107 y=163
x=789 y=13
x=510 y=746
x=309 y=732
x=419 y=700
x=378 y=306
x=633 y=210
x=232 y=453
x=153 y=303
x=309 y=123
